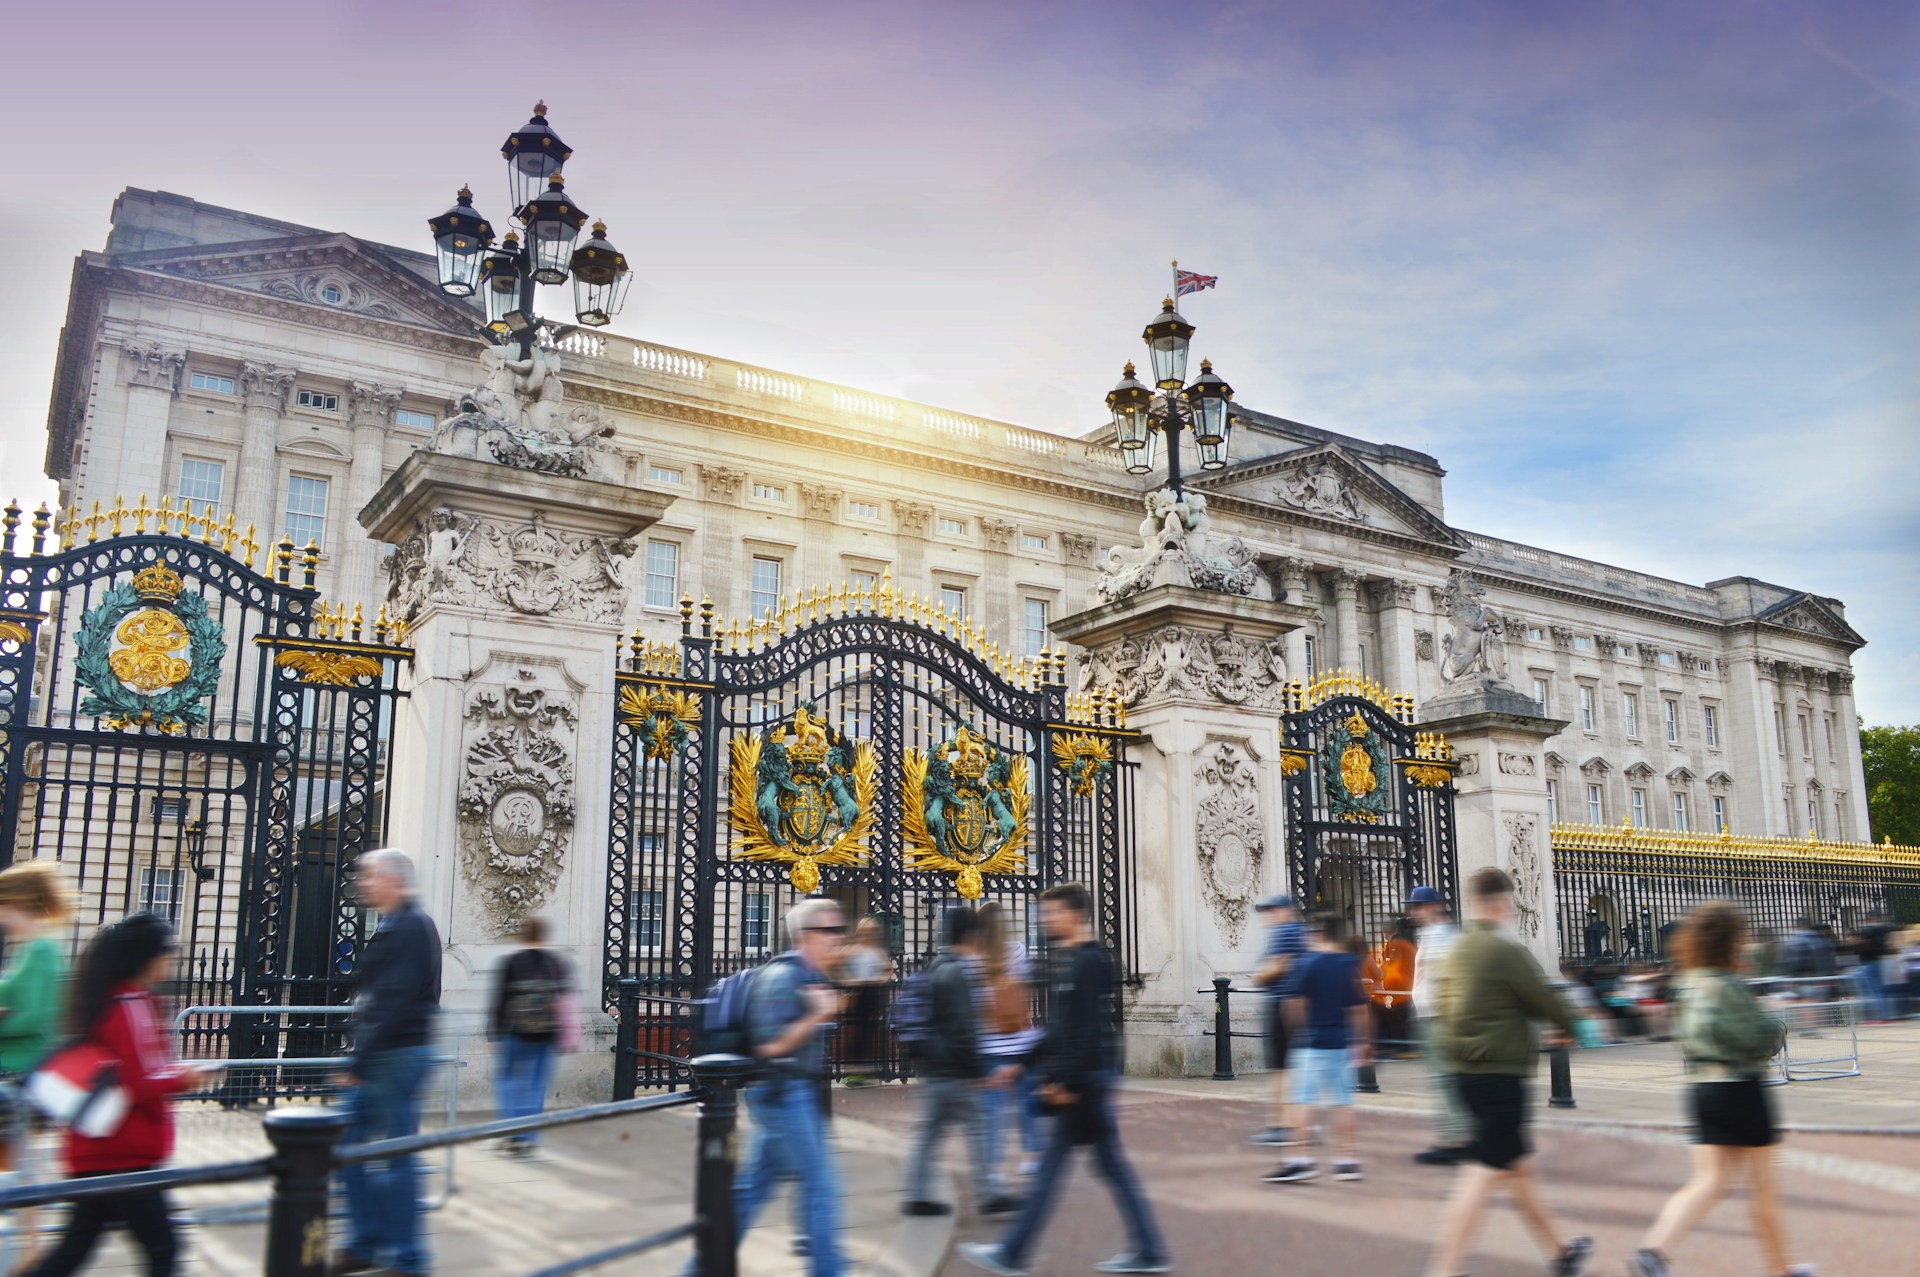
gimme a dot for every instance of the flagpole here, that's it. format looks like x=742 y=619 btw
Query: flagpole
x=1176 y=281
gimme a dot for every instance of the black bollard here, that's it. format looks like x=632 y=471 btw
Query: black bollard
x=717 y=1241
x=1560 y=1070
x=303 y=1142
x=1222 y=1029
x=1365 y=1080
x=626 y=1042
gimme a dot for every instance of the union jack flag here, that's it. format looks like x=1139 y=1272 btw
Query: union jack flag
x=1186 y=281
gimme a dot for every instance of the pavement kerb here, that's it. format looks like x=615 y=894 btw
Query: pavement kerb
x=919 y=1244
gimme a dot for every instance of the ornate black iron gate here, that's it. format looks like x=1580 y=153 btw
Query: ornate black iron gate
x=1369 y=802
x=857 y=744
x=197 y=738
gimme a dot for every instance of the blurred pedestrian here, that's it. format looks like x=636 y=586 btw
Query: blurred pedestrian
x=113 y=1009
x=1007 y=1037
x=1328 y=1016
x=530 y=1020
x=34 y=901
x=866 y=972
x=1728 y=1040
x=1078 y=1067
x=1490 y=992
x=1871 y=944
x=397 y=1001
x=1286 y=941
x=1437 y=935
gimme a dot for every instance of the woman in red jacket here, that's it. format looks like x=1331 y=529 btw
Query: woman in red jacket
x=113 y=1008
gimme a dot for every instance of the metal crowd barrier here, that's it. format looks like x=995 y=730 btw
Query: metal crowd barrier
x=1813 y=1009
x=307 y=1152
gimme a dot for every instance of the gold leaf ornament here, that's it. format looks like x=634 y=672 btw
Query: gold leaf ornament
x=954 y=787
x=790 y=788
x=329 y=669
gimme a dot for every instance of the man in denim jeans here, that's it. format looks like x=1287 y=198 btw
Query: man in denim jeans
x=399 y=996
x=1076 y=1060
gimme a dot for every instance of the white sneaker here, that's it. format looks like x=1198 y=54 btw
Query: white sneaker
x=1348 y=1171
x=986 y=1255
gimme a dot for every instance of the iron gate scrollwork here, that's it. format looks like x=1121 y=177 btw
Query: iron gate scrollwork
x=857 y=744
x=204 y=740
x=1369 y=802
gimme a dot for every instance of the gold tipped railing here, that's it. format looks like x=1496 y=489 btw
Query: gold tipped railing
x=1337 y=683
x=1628 y=839
x=120 y=519
x=1103 y=707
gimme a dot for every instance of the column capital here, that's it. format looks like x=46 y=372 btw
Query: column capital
x=914 y=517
x=819 y=501
x=149 y=364
x=999 y=533
x=369 y=404
x=722 y=482
x=1403 y=592
x=1079 y=546
x=1347 y=582
x=266 y=387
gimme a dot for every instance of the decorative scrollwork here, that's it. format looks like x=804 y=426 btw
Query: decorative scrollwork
x=14 y=632
x=329 y=669
x=1085 y=758
x=129 y=654
x=802 y=794
x=965 y=810
x=662 y=718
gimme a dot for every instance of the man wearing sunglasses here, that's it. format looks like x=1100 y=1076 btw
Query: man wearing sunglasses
x=790 y=1005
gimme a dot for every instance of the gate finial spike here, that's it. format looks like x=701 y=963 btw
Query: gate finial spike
x=358 y=622
x=10 y=521
x=41 y=518
x=140 y=515
x=310 y=562
x=706 y=616
x=249 y=546
x=686 y=613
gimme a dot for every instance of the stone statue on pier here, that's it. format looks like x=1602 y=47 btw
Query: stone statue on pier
x=1179 y=547
x=519 y=413
x=1476 y=649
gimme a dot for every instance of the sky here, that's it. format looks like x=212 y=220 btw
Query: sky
x=1645 y=277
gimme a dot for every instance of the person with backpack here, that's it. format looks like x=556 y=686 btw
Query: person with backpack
x=951 y=1070
x=1327 y=1015
x=113 y=1012
x=529 y=1020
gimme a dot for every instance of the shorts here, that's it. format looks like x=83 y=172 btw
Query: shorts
x=1736 y=1113
x=1276 y=1027
x=1496 y=1103
x=1322 y=1076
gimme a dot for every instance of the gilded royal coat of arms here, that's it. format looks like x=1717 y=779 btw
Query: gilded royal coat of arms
x=148 y=654
x=1354 y=765
x=802 y=794
x=965 y=810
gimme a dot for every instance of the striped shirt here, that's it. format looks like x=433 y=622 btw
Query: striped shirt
x=1002 y=1048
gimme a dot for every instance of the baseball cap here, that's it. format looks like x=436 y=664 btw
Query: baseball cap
x=1425 y=896
x=1275 y=902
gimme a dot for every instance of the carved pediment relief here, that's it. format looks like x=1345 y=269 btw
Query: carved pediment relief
x=1595 y=768
x=1555 y=762
x=1719 y=780
x=1808 y=614
x=1681 y=776
x=1639 y=771
x=1328 y=484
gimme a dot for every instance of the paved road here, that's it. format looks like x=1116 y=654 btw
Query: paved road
x=1203 y=1179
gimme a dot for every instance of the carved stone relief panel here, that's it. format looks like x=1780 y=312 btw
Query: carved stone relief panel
x=529 y=568
x=1523 y=865
x=516 y=801
x=1179 y=662
x=1518 y=764
x=1423 y=645
x=1229 y=834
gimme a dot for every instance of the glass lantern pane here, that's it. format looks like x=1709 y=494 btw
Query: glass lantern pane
x=1169 y=360
x=1140 y=460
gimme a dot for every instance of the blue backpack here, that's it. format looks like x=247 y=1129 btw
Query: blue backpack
x=912 y=1014
x=723 y=1014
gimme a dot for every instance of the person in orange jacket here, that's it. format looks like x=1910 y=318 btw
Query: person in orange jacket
x=113 y=1009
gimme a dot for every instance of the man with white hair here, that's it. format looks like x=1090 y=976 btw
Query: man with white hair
x=398 y=974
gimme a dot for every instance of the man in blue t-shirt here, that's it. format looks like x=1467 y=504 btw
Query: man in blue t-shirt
x=1286 y=943
x=1326 y=1012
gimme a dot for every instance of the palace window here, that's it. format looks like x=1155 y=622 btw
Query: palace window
x=1813 y=814
x=1310 y=664
x=317 y=400
x=1829 y=726
x=306 y=510
x=1553 y=802
x=649 y=921
x=756 y=921
x=1583 y=643
x=1779 y=731
x=1596 y=812
x=769 y=492
x=1710 y=720
x=1036 y=626
x=408 y=417
x=766 y=587
x=332 y=295
x=862 y=580
x=209 y=382
x=669 y=475
x=1667 y=658
x=200 y=483
x=1673 y=722
x=1680 y=812
x=1586 y=708
x=1639 y=809
x=663 y=574
x=1806 y=737
x=1535 y=634
x=1719 y=815
x=1540 y=694
x=160 y=892
x=953 y=600
x=864 y=509
x=1630 y=712
x=953 y=527
x=1840 y=817
x=1034 y=541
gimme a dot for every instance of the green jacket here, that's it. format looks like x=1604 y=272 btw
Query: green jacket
x=1722 y=1027
x=31 y=994
x=1490 y=993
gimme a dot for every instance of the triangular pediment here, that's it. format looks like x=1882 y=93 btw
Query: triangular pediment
x=1639 y=771
x=1555 y=762
x=1719 y=780
x=1680 y=776
x=1809 y=614
x=1328 y=486
x=329 y=272
x=1596 y=767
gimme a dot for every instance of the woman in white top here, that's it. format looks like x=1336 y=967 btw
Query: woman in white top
x=1003 y=996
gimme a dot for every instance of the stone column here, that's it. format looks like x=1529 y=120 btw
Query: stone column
x=1346 y=593
x=914 y=519
x=1794 y=812
x=1500 y=811
x=820 y=507
x=153 y=382
x=725 y=576
x=1294 y=574
x=1852 y=769
x=515 y=585
x=1399 y=669
x=370 y=409
x=264 y=391
x=1003 y=625
x=1758 y=775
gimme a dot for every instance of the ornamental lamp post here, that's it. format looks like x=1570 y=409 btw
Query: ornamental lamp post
x=541 y=251
x=1139 y=413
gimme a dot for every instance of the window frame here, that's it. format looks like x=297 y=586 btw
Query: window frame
x=197 y=380
x=220 y=482
x=1710 y=724
x=1719 y=814
x=1033 y=648
x=1682 y=812
x=414 y=419
x=307 y=398
x=755 y=593
x=672 y=600
x=861 y=508
x=948 y=526
x=958 y=595
x=1039 y=542
x=769 y=493
x=288 y=514
x=150 y=876
x=1630 y=713
x=747 y=922
x=1637 y=806
x=1553 y=802
x=1588 y=719
x=1596 y=805
x=1671 y=708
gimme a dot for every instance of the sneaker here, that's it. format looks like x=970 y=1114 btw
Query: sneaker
x=1134 y=1264
x=1348 y=1171
x=347 y=1263
x=802 y=1248
x=1573 y=1257
x=926 y=1208
x=986 y=1255
x=1647 y=1263
x=1802 y=1270
x=1294 y=1172
x=1000 y=1206
x=1440 y=1155
x=1273 y=1137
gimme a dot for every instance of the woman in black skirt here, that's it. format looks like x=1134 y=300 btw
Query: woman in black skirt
x=1728 y=1039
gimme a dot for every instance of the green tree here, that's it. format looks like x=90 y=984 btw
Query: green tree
x=1892 y=759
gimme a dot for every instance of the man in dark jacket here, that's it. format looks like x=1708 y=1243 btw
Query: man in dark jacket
x=951 y=1069
x=399 y=996
x=1078 y=1069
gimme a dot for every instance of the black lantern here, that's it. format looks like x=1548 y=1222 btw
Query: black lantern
x=533 y=154
x=500 y=283
x=1213 y=456
x=462 y=236
x=1129 y=401
x=553 y=223
x=1207 y=398
x=600 y=279
x=1167 y=338
x=1140 y=460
